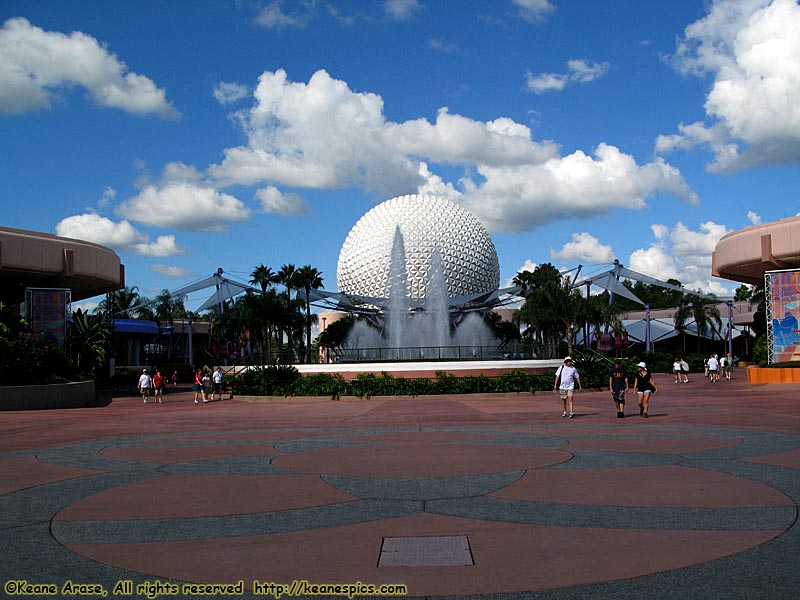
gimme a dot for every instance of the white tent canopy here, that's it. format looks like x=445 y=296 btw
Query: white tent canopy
x=609 y=280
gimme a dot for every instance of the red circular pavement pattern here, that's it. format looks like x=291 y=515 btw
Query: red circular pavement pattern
x=790 y=458
x=653 y=487
x=186 y=496
x=509 y=557
x=420 y=460
x=21 y=472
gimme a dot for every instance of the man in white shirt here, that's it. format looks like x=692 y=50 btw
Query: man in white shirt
x=216 y=378
x=713 y=368
x=145 y=383
x=566 y=378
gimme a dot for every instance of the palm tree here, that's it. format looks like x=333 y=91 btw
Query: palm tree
x=169 y=308
x=525 y=280
x=308 y=278
x=125 y=303
x=705 y=314
x=286 y=276
x=88 y=341
x=542 y=310
x=263 y=277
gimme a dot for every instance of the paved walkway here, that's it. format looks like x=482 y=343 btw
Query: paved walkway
x=449 y=496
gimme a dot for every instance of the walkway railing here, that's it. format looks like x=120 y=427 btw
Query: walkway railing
x=418 y=353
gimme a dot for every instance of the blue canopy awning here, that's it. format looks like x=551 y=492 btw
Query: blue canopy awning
x=135 y=326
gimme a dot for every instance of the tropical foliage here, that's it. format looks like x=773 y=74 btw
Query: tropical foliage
x=705 y=314
x=25 y=357
x=88 y=342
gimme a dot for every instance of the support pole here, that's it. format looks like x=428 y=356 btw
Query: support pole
x=730 y=326
x=189 y=353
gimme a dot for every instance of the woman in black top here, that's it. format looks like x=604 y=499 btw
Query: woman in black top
x=643 y=386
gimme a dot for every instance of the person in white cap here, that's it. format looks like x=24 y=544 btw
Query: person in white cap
x=643 y=386
x=145 y=382
x=566 y=378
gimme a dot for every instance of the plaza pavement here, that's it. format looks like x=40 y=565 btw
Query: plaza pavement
x=459 y=496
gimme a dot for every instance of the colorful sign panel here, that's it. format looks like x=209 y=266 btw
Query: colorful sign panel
x=48 y=309
x=783 y=288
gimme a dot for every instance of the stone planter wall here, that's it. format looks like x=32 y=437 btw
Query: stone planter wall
x=78 y=394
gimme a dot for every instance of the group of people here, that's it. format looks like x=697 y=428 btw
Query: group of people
x=204 y=379
x=151 y=385
x=207 y=384
x=714 y=365
x=644 y=387
x=681 y=370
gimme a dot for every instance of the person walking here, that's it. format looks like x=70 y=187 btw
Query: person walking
x=158 y=386
x=618 y=385
x=685 y=370
x=729 y=362
x=198 y=385
x=676 y=369
x=216 y=380
x=643 y=386
x=566 y=378
x=206 y=381
x=713 y=368
x=144 y=385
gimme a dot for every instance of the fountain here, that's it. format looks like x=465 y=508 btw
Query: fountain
x=420 y=328
x=421 y=271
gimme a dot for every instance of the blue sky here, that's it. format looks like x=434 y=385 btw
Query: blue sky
x=195 y=135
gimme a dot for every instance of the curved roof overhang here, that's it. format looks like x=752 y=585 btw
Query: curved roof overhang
x=745 y=255
x=30 y=259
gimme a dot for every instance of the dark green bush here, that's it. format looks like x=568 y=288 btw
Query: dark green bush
x=272 y=380
x=29 y=360
x=263 y=381
x=760 y=351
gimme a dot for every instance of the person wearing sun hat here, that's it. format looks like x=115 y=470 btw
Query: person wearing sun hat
x=566 y=378
x=643 y=386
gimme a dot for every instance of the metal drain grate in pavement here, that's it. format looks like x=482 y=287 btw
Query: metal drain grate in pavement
x=433 y=551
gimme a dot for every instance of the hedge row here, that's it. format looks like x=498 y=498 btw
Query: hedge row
x=286 y=381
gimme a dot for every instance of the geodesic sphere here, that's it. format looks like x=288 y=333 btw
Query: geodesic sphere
x=427 y=223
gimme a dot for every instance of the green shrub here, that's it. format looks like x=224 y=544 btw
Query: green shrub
x=760 y=351
x=30 y=360
x=272 y=380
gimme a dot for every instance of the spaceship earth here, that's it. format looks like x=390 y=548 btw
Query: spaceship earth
x=427 y=223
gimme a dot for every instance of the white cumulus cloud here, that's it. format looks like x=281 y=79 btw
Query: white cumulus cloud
x=534 y=10
x=230 y=92
x=323 y=135
x=318 y=135
x=120 y=236
x=584 y=247
x=184 y=205
x=521 y=198
x=754 y=218
x=401 y=10
x=578 y=71
x=752 y=51
x=683 y=254
x=172 y=271
x=289 y=205
x=272 y=16
x=35 y=65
